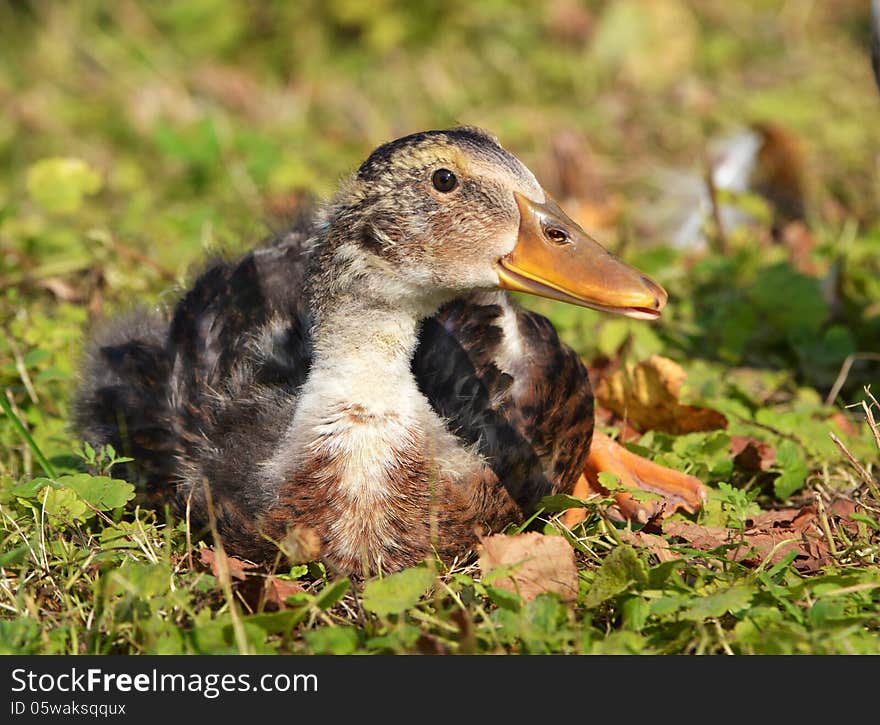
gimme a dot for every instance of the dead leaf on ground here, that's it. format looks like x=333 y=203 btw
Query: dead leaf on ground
x=657 y=545
x=259 y=591
x=537 y=563
x=770 y=535
x=751 y=549
x=750 y=454
x=647 y=395
x=778 y=176
x=301 y=544
x=799 y=241
x=625 y=432
x=237 y=567
x=844 y=424
x=60 y=288
x=278 y=590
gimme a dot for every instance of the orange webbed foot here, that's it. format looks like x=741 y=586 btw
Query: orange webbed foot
x=675 y=490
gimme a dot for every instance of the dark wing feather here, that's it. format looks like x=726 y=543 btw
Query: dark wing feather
x=122 y=398
x=534 y=424
x=190 y=399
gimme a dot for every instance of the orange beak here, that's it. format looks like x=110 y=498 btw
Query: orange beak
x=555 y=258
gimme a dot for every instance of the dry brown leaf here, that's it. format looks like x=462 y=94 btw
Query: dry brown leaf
x=770 y=535
x=277 y=591
x=752 y=548
x=646 y=395
x=237 y=568
x=539 y=564
x=778 y=176
x=571 y=22
x=750 y=454
x=700 y=537
x=62 y=289
x=625 y=432
x=657 y=545
x=301 y=544
x=844 y=424
x=777 y=517
x=799 y=241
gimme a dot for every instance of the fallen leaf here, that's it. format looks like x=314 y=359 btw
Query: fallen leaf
x=657 y=545
x=752 y=547
x=646 y=395
x=428 y=644
x=278 y=590
x=232 y=87
x=778 y=177
x=799 y=241
x=62 y=289
x=267 y=593
x=237 y=567
x=771 y=535
x=625 y=432
x=700 y=537
x=750 y=454
x=301 y=544
x=571 y=22
x=533 y=564
x=844 y=424
x=777 y=517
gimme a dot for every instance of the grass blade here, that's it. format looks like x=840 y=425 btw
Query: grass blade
x=32 y=444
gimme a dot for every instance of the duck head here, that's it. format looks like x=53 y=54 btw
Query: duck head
x=441 y=213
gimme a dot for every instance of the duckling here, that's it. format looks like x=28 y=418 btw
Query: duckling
x=365 y=378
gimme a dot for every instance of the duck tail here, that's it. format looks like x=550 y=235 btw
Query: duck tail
x=123 y=400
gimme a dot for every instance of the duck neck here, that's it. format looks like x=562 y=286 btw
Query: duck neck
x=365 y=331
x=362 y=352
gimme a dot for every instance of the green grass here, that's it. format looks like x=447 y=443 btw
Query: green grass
x=138 y=137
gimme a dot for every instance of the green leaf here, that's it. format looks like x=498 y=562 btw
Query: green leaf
x=278 y=622
x=332 y=640
x=104 y=493
x=298 y=571
x=788 y=300
x=667 y=604
x=621 y=568
x=25 y=434
x=634 y=613
x=504 y=599
x=36 y=356
x=332 y=593
x=560 y=502
x=65 y=504
x=14 y=556
x=397 y=592
x=718 y=603
x=609 y=481
x=59 y=184
x=789 y=459
x=31 y=488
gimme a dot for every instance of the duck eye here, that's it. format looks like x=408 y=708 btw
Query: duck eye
x=444 y=180
x=557 y=235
